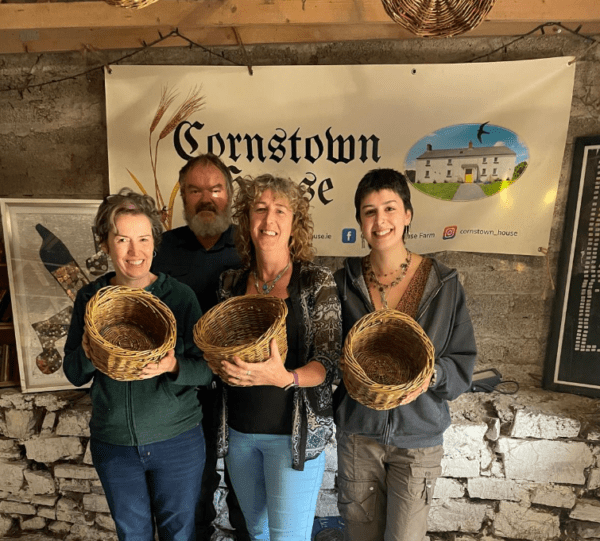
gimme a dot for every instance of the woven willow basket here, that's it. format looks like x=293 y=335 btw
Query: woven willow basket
x=130 y=4
x=128 y=328
x=439 y=18
x=386 y=355
x=242 y=326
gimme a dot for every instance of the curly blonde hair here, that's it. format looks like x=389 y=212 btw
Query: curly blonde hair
x=250 y=190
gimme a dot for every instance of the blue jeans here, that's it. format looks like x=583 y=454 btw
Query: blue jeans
x=278 y=502
x=155 y=482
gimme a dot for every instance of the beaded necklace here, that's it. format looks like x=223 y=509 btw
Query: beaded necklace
x=383 y=288
x=266 y=288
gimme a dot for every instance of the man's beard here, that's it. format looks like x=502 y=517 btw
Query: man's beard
x=213 y=228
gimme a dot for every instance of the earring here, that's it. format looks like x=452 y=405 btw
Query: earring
x=363 y=242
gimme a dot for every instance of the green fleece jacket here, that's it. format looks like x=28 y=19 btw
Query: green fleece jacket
x=151 y=410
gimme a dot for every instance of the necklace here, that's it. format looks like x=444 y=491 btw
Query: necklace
x=383 y=288
x=266 y=288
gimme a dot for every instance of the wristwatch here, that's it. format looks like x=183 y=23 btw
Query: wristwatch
x=294 y=383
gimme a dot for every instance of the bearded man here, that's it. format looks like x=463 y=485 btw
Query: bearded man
x=196 y=254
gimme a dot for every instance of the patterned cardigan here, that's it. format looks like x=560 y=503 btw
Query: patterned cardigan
x=316 y=304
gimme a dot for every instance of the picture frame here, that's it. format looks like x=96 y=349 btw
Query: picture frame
x=51 y=252
x=571 y=363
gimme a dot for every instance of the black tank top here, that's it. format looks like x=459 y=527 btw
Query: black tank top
x=265 y=409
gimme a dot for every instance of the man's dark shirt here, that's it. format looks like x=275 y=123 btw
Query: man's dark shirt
x=181 y=255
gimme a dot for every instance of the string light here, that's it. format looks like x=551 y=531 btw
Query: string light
x=540 y=28
x=145 y=46
x=176 y=33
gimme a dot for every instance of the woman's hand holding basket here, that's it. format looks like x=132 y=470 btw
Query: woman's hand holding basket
x=270 y=372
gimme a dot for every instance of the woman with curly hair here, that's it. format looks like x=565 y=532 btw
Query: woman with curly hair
x=278 y=418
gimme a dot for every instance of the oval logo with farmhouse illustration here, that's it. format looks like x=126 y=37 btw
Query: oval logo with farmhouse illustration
x=466 y=162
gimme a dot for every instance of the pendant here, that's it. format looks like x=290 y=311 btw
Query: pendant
x=266 y=288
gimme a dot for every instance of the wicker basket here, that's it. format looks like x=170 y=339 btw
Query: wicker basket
x=242 y=326
x=130 y=4
x=386 y=355
x=128 y=328
x=442 y=18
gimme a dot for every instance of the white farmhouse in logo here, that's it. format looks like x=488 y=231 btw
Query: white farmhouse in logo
x=479 y=164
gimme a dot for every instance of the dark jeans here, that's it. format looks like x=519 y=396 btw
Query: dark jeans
x=205 y=512
x=159 y=481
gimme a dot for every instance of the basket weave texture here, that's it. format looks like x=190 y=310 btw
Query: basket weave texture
x=438 y=18
x=386 y=355
x=128 y=328
x=242 y=326
x=130 y=4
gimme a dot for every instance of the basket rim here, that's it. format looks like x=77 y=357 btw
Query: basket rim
x=370 y=320
x=216 y=310
x=107 y=293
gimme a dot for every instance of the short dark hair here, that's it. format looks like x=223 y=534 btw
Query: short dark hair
x=126 y=202
x=204 y=160
x=383 y=179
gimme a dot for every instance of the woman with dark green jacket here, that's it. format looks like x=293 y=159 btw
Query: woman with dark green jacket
x=146 y=438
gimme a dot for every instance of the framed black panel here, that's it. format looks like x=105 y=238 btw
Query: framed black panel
x=573 y=356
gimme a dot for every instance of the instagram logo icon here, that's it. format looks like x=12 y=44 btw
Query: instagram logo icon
x=449 y=232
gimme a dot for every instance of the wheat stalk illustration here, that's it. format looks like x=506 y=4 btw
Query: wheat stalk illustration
x=193 y=103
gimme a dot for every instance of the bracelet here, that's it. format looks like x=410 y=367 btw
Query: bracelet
x=294 y=383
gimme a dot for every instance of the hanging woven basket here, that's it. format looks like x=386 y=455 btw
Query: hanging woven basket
x=386 y=356
x=130 y=4
x=438 y=18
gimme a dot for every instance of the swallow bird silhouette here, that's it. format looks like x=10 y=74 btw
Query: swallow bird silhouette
x=481 y=131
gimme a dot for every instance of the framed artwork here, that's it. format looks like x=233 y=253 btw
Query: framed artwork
x=573 y=355
x=51 y=253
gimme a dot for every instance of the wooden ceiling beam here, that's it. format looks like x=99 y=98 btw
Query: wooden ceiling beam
x=39 y=41
x=56 y=26
x=241 y=13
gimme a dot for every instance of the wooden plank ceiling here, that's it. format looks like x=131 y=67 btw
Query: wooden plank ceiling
x=73 y=26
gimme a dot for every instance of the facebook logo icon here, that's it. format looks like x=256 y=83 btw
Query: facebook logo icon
x=349 y=235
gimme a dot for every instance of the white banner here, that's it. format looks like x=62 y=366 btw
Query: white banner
x=482 y=144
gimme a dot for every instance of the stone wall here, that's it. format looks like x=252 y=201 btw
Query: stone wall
x=516 y=467
x=519 y=467
x=47 y=481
